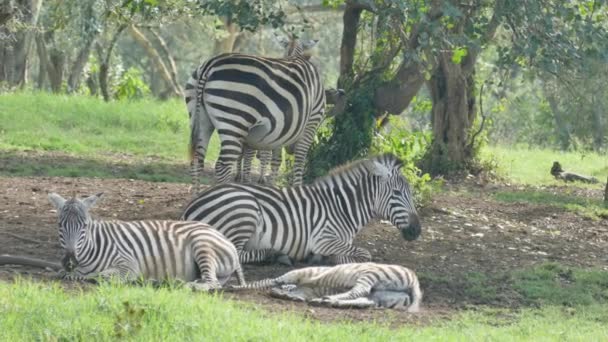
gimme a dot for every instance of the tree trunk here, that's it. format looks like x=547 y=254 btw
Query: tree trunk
x=104 y=63
x=561 y=124
x=78 y=66
x=57 y=59
x=599 y=123
x=226 y=43
x=170 y=60
x=15 y=54
x=606 y=193
x=453 y=115
x=141 y=39
x=350 y=18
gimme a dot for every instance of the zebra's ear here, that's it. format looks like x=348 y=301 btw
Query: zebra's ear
x=91 y=200
x=309 y=44
x=57 y=200
x=282 y=40
x=378 y=169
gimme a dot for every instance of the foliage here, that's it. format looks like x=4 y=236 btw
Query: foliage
x=45 y=311
x=131 y=85
x=344 y=138
x=410 y=147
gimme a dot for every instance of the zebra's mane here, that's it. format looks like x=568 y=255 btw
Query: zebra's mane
x=361 y=167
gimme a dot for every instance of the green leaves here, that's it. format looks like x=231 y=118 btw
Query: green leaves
x=459 y=53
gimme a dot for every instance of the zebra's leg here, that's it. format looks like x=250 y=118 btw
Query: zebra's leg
x=362 y=288
x=264 y=157
x=248 y=155
x=197 y=164
x=231 y=150
x=289 y=292
x=301 y=151
x=335 y=251
x=239 y=170
x=275 y=165
x=357 y=303
x=207 y=268
x=294 y=277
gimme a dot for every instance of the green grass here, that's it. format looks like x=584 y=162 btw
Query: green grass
x=532 y=166
x=587 y=207
x=45 y=311
x=15 y=163
x=88 y=126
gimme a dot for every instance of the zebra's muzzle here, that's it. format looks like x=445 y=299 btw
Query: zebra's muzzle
x=412 y=232
x=69 y=262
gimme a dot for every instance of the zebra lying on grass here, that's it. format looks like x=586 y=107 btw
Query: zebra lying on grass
x=258 y=102
x=349 y=285
x=319 y=220
x=128 y=250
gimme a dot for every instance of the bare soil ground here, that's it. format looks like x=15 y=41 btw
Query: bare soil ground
x=463 y=232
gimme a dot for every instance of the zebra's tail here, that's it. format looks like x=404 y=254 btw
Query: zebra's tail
x=194 y=101
x=257 y=285
x=240 y=276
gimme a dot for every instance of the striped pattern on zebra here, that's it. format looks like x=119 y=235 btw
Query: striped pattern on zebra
x=259 y=102
x=360 y=285
x=128 y=250
x=319 y=219
x=335 y=97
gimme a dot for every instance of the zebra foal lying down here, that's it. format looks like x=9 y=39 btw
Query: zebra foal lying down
x=128 y=250
x=359 y=285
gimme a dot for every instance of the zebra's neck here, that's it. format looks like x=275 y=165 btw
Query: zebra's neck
x=354 y=198
x=89 y=255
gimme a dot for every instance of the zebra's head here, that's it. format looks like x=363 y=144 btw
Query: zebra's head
x=73 y=220
x=394 y=200
x=296 y=47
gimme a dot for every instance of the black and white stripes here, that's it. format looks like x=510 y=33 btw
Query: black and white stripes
x=128 y=250
x=318 y=220
x=358 y=285
x=256 y=102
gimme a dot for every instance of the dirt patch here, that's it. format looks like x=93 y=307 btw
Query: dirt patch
x=462 y=233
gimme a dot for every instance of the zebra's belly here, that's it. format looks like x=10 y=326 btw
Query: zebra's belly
x=183 y=268
x=281 y=241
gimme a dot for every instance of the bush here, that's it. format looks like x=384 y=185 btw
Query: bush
x=131 y=85
x=410 y=147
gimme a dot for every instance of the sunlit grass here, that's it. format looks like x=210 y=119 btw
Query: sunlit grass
x=531 y=166
x=588 y=207
x=88 y=126
x=45 y=311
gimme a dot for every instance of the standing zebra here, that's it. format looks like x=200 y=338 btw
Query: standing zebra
x=350 y=285
x=191 y=251
x=263 y=103
x=319 y=220
x=335 y=97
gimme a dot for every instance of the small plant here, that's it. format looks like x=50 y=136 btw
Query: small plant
x=128 y=322
x=131 y=85
x=410 y=147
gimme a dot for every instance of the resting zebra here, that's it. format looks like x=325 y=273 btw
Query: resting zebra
x=350 y=285
x=128 y=250
x=318 y=220
x=258 y=102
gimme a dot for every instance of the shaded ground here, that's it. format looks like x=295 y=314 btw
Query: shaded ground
x=464 y=232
